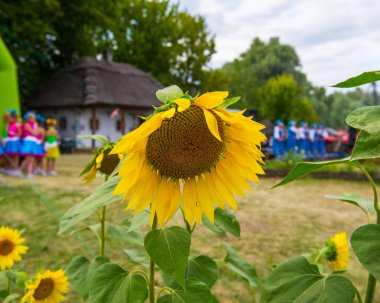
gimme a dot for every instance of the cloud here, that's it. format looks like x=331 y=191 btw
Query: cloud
x=335 y=39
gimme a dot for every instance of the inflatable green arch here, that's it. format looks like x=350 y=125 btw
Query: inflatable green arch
x=9 y=94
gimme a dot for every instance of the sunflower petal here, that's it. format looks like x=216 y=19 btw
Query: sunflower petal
x=182 y=103
x=168 y=113
x=211 y=100
x=212 y=124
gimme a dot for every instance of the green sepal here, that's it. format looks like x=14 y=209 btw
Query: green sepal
x=228 y=102
x=169 y=93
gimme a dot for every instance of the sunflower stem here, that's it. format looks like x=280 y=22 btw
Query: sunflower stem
x=8 y=284
x=151 y=269
x=371 y=283
x=103 y=231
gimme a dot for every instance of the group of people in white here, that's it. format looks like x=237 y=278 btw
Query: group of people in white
x=302 y=139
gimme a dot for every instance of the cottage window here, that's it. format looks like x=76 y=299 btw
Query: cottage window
x=62 y=123
x=120 y=125
x=94 y=124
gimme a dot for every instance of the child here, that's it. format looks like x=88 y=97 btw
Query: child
x=51 y=145
x=291 y=140
x=40 y=152
x=29 y=144
x=279 y=139
x=13 y=143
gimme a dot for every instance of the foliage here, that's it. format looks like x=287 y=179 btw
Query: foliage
x=258 y=64
x=364 y=240
x=282 y=98
x=156 y=36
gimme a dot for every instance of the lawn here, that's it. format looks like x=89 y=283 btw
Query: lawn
x=275 y=224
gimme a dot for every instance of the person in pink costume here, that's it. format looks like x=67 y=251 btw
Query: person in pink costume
x=13 y=143
x=29 y=144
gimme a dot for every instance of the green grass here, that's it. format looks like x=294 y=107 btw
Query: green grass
x=275 y=224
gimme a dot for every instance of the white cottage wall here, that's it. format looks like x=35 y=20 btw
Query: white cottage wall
x=78 y=123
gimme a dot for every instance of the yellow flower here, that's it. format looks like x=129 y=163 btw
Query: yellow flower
x=48 y=287
x=193 y=155
x=104 y=162
x=11 y=247
x=338 y=252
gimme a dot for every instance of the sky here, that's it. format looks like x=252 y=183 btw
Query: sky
x=335 y=39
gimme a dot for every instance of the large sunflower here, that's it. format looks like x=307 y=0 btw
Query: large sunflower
x=338 y=251
x=11 y=247
x=190 y=153
x=48 y=287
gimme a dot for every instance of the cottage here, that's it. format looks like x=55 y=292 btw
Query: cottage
x=94 y=96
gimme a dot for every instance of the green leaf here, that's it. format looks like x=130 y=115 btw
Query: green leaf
x=94 y=265
x=240 y=266
x=216 y=229
x=77 y=274
x=365 y=242
x=364 y=204
x=169 y=93
x=137 y=256
x=367 y=146
x=303 y=168
x=196 y=292
x=111 y=283
x=296 y=280
x=123 y=233
x=100 y=138
x=102 y=196
x=366 y=118
x=80 y=271
x=228 y=102
x=204 y=269
x=363 y=78
x=11 y=298
x=170 y=248
x=227 y=221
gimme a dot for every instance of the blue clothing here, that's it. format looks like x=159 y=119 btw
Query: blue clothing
x=40 y=150
x=291 y=142
x=320 y=143
x=29 y=146
x=12 y=146
x=278 y=142
x=2 y=150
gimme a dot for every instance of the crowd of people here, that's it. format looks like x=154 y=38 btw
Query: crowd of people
x=307 y=141
x=28 y=147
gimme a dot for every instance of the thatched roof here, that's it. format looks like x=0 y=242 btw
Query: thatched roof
x=90 y=81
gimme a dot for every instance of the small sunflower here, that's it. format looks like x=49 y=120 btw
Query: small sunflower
x=103 y=162
x=337 y=251
x=11 y=247
x=49 y=287
x=190 y=153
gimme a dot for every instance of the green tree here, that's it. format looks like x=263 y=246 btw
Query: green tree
x=46 y=35
x=171 y=45
x=258 y=64
x=25 y=26
x=282 y=98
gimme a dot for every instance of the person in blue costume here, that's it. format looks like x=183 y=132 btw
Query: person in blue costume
x=321 y=134
x=303 y=137
x=291 y=140
x=279 y=139
x=312 y=141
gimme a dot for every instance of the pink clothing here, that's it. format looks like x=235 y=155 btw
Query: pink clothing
x=12 y=130
x=32 y=125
